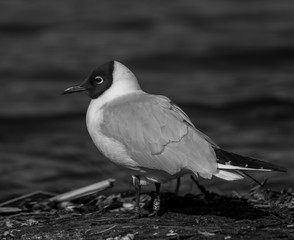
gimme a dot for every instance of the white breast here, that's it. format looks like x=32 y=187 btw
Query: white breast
x=111 y=148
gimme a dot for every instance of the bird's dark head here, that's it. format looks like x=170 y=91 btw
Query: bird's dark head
x=98 y=82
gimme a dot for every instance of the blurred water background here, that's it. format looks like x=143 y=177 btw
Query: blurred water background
x=228 y=64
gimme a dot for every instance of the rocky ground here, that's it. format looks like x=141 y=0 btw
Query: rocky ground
x=259 y=214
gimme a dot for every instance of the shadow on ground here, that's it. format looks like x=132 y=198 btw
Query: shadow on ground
x=228 y=207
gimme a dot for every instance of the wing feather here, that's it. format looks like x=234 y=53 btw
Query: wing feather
x=186 y=119
x=158 y=135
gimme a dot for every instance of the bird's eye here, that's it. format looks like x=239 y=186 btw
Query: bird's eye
x=99 y=80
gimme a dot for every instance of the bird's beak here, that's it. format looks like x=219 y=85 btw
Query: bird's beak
x=74 y=89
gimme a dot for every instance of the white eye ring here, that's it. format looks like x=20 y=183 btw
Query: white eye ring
x=99 y=80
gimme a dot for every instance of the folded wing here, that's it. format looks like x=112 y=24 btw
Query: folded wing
x=159 y=135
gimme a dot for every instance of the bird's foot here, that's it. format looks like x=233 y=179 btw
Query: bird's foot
x=154 y=213
x=156 y=206
x=137 y=214
x=140 y=213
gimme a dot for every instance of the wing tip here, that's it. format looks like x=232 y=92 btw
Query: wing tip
x=263 y=169
x=281 y=169
x=229 y=160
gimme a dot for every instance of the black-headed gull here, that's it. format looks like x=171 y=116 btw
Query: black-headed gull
x=150 y=135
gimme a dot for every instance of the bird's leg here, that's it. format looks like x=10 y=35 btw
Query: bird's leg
x=178 y=186
x=136 y=182
x=200 y=187
x=156 y=201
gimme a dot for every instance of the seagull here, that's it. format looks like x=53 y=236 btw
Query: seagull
x=151 y=136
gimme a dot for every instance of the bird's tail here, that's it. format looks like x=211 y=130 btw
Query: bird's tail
x=230 y=164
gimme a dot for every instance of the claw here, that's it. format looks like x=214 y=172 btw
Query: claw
x=153 y=214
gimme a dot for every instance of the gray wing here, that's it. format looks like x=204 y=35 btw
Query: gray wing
x=159 y=135
x=188 y=121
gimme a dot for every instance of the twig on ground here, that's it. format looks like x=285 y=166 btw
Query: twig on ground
x=106 y=230
x=84 y=191
x=253 y=179
x=29 y=195
x=8 y=210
